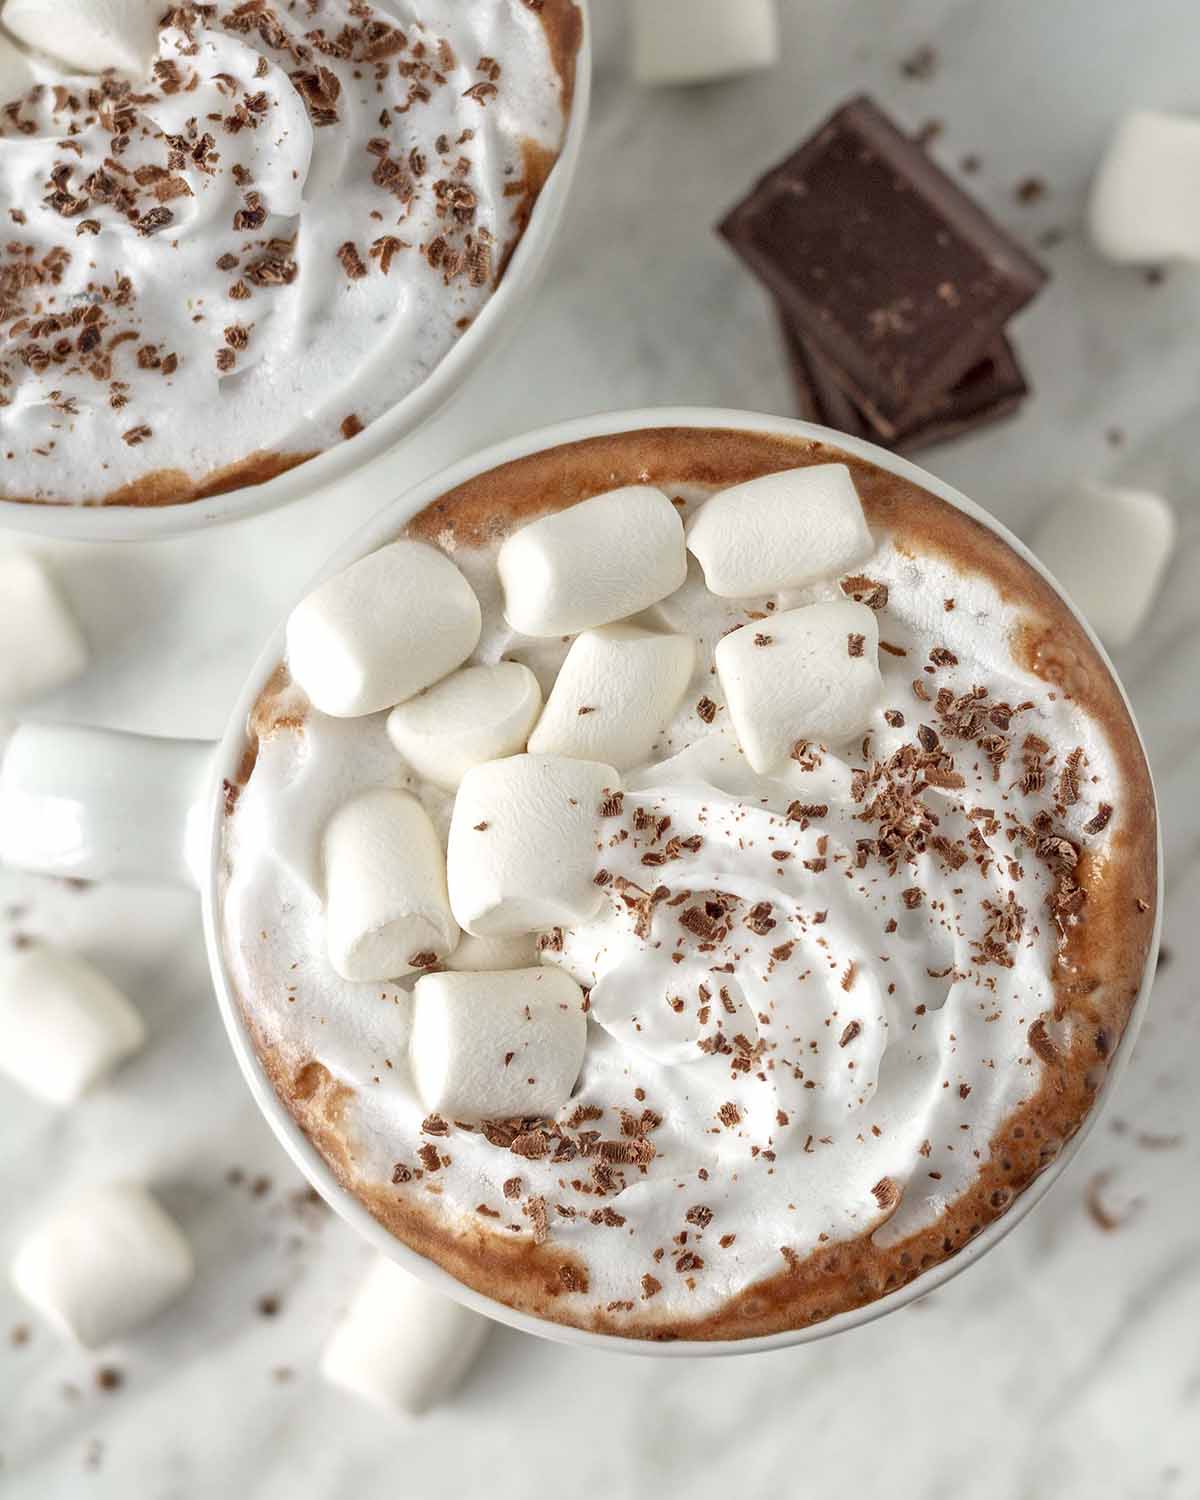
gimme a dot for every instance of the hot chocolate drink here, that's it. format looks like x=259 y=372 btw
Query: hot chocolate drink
x=262 y=229
x=690 y=883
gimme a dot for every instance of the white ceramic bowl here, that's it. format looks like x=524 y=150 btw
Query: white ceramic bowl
x=133 y=523
x=89 y=802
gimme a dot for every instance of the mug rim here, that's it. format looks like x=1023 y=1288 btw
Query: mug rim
x=137 y=523
x=378 y=530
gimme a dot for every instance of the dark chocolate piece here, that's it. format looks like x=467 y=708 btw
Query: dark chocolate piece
x=887 y=268
x=992 y=389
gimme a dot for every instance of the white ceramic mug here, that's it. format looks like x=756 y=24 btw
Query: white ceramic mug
x=134 y=523
x=100 y=804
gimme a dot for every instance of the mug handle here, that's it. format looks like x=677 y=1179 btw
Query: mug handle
x=99 y=804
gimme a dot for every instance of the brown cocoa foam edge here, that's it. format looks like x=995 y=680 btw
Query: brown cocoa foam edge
x=562 y=22
x=1112 y=941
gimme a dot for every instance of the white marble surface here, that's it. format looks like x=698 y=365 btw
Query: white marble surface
x=1067 y=1362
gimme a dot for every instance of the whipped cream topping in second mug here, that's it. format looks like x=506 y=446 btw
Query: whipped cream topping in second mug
x=238 y=260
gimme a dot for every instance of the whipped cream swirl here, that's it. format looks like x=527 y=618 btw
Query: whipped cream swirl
x=259 y=247
x=814 y=996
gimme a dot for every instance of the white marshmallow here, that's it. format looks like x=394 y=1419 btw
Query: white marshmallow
x=801 y=682
x=497 y=1046
x=385 y=888
x=63 y=1026
x=400 y=1345
x=478 y=714
x=17 y=74
x=388 y=626
x=1145 y=198
x=90 y=35
x=480 y=953
x=522 y=853
x=1108 y=548
x=41 y=646
x=596 y=562
x=616 y=690
x=780 y=531
x=108 y=1260
x=689 y=41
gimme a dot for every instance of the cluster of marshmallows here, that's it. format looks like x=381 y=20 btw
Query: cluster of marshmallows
x=495 y=1034
x=109 y=1258
x=1109 y=545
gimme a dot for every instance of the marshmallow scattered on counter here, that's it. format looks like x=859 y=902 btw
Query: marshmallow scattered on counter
x=401 y=1345
x=1108 y=548
x=594 y=563
x=387 y=912
x=780 y=531
x=476 y=953
x=90 y=35
x=494 y=1046
x=476 y=715
x=107 y=1261
x=689 y=41
x=63 y=1026
x=1145 y=199
x=389 y=625
x=803 y=674
x=522 y=855
x=616 y=690
x=41 y=646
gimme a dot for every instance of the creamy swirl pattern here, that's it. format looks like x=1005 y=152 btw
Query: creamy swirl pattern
x=814 y=996
x=264 y=244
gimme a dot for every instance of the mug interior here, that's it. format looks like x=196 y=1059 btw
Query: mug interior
x=122 y=523
x=383 y=528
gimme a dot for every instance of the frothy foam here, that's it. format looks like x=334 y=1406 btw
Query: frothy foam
x=264 y=244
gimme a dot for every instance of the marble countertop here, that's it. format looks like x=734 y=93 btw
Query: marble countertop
x=1067 y=1361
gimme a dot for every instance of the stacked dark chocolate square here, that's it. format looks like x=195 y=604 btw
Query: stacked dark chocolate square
x=893 y=287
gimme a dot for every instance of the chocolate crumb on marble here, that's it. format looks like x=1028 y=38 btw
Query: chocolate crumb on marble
x=921 y=64
x=1030 y=190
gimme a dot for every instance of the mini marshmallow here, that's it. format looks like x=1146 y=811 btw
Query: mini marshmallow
x=107 y=1261
x=522 y=852
x=781 y=531
x=42 y=646
x=387 y=626
x=480 y=953
x=1145 y=199
x=386 y=908
x=1108 y=548
x=90 y=35
x=495 y=1046
x=803 y=674
x=400 y=1345
x=63 y=1026
x=616 y=690
x=689 y=41
x=596 y=562
x=478 y=714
